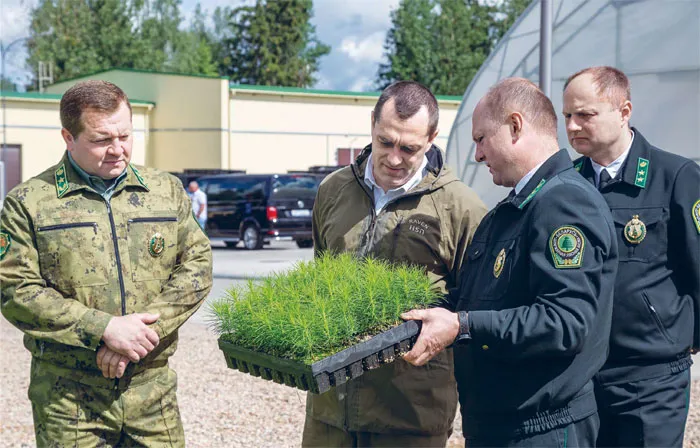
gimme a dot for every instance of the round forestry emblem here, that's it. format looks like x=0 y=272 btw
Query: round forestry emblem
x=635 y=230
x=156 y=245
x=499 y=263
x=566 y=245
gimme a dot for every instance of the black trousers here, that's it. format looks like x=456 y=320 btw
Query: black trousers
x=646 y=413
x=580 y=434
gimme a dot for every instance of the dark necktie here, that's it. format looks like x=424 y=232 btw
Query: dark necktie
x=605 y=179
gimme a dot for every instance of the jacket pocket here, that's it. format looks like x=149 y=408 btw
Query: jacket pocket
x=72 y=254
x=498 y=267
x=656 y=318
x=654 y=241
x=152 y=244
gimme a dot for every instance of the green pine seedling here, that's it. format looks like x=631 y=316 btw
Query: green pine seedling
x=321 y=307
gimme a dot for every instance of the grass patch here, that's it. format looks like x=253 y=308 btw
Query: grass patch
x=320 y=307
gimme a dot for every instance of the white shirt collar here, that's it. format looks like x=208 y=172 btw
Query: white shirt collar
x=520 y=185
x=615 y=166
x=381 y=198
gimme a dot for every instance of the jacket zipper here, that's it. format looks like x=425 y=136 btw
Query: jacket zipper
x=116 y=254
x=69 y=226
x=155 y=219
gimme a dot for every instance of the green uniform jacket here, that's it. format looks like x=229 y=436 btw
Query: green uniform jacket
x=431 y=225
x=71 y=261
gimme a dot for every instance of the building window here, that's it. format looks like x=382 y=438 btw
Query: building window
x=346 y=156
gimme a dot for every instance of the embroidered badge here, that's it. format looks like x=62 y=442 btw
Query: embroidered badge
x=640 y=179
x=499 y=263
x=635 y=230
x=566 y=245
x=696 y=214
x=5 y=243
x=61 y=181
x=156 y=245
x=578 y=166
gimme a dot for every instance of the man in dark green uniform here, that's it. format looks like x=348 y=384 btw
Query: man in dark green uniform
x=644 y=388
x=535 y=300
x=100 y=263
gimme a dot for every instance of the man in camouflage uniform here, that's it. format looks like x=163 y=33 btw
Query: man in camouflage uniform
x=100 y=264
x=398 y=202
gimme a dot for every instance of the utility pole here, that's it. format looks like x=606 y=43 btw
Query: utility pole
x=546 y=47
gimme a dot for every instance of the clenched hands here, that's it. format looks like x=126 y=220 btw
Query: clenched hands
x=111 y=363
x=130 y=335
x=440 y=328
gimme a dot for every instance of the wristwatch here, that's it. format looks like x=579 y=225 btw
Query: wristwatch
x=464 y=335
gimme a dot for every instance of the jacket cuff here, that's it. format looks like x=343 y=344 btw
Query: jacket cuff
x=480 y=323
x=92 y=326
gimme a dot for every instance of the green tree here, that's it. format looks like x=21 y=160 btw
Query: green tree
x=442 y=43
x=83 y=36
x=272 y=43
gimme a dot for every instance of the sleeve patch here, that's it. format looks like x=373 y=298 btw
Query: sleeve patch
x=5 y=243
x=696 y=214
x=566 y=246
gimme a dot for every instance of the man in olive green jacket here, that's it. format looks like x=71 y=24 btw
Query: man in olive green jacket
x=100 y=264
x=398 y=202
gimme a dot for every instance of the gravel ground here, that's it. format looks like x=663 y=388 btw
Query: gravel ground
x=220 y=407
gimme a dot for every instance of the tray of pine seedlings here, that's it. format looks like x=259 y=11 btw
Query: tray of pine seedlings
x=323 y=322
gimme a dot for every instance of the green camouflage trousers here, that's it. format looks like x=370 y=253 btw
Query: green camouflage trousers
x=72 y=414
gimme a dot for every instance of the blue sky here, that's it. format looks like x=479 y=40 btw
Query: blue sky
x=355 y=30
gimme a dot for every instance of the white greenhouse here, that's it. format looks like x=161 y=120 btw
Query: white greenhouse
x=655 y=42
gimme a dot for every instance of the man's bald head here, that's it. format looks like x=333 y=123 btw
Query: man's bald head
x=522 y=96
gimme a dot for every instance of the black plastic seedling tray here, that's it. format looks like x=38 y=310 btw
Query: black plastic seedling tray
x=331 y=371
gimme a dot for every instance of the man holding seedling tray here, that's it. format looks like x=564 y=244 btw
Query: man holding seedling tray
x=534 y=304
x=398 y=202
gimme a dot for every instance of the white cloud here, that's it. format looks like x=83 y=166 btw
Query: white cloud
x=369 y=49
x=14 y=19
x=362 y=84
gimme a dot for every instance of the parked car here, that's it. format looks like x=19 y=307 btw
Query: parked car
x=257 y=208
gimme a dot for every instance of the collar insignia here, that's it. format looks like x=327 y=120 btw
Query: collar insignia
x=640 y=178
x=61 y=181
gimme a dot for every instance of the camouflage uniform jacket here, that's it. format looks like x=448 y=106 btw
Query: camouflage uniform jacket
x=70 y=261
x=431 y=226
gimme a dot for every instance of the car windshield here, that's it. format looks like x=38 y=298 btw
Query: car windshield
x=294 y=186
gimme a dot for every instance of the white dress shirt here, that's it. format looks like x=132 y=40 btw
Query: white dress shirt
x=381 y=198
x=614 y=167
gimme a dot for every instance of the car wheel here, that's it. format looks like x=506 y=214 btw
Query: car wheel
x=252 y=240
x=305 y=244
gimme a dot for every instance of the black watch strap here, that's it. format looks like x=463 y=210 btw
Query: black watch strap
x=464 y=335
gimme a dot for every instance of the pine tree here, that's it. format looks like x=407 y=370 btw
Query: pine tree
x=272 y=43
x=442 y=43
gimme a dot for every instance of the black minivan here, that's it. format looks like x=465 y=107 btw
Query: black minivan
x=257 y=208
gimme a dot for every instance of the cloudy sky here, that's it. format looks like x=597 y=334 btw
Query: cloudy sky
x=355 y=30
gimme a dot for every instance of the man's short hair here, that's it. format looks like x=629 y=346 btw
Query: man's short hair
x=101 y=96
x=523 y=96
x=610 y=83
x=409 y=97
